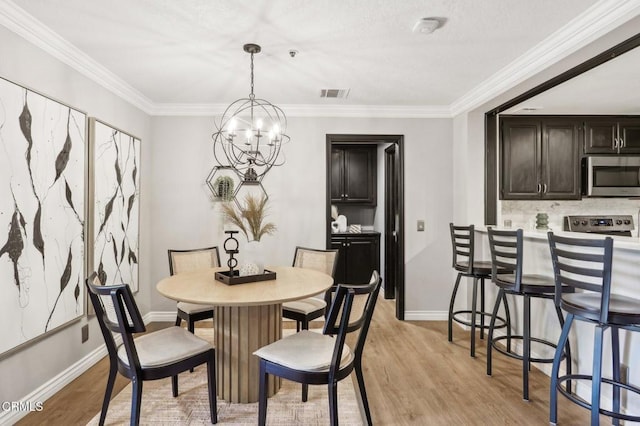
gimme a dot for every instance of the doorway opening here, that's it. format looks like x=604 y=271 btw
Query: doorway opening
x=384 y=209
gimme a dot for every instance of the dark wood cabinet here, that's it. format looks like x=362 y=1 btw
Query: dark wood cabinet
x=540 y=158
x=358 y=257
x=612 y=135
x=353 y=174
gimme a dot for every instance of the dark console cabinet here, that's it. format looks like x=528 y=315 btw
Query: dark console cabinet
x=359 y=255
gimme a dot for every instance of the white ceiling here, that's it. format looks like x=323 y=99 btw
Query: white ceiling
x=610 y=88
x=188 y=53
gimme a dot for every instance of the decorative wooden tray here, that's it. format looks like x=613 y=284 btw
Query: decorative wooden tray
x=227 y=278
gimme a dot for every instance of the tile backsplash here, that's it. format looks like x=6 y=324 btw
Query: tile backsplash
x=522 y=214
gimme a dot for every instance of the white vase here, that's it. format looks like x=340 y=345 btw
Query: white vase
x=251 y=259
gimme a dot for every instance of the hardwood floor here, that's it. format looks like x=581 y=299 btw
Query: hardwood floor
x=413 y=377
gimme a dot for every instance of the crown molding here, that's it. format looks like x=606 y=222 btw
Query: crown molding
x=599 y=19
x=594 y=22
x=296 y=110
x=26 y=26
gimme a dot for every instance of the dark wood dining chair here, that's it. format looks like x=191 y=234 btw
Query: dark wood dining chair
x=151 y=356
x=323 y=359
x=187 y=261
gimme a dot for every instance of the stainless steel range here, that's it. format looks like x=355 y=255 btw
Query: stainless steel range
x=609 y=225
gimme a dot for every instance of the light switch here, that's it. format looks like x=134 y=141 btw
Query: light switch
x=420 y=225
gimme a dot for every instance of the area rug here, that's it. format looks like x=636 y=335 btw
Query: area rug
x=191 y=407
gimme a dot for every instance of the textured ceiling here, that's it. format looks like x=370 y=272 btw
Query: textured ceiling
x=190 y=51
x=610 y=88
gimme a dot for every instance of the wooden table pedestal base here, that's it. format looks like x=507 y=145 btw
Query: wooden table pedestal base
x=239 y=332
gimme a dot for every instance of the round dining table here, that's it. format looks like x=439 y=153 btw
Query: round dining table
x=247 y=317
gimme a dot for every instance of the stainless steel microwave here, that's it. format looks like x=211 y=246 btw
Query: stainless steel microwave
x=611 y=176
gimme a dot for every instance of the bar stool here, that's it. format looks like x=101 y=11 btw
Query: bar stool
x=462 y=242
x=585 y=264
x=507 y=253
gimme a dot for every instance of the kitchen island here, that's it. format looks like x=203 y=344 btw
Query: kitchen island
x=544 y=322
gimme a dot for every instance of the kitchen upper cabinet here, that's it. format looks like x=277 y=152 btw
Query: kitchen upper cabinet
x=612 y=135
x=540 y=158
x=358 y=257
x=353 y=174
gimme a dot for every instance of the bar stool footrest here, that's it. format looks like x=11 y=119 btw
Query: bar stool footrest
x=516 y=355
x=582 y=403
x=500 y=322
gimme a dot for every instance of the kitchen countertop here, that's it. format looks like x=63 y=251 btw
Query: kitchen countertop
x=342 y=234
x=619 y=241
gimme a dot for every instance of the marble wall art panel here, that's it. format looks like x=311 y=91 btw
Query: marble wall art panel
x=115 y=204
x=42 y=205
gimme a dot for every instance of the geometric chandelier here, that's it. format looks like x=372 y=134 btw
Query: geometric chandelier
x=250 y=134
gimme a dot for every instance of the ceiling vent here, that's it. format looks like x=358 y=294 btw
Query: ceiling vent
x=334 y=93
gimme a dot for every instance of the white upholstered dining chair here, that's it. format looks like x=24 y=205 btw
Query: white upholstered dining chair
x=187 y=261
x=305 y=310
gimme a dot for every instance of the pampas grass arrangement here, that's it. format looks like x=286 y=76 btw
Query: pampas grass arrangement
x=249 y=217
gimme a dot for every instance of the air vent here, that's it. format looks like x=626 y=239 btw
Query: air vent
x=334 y=93
x=528 y=108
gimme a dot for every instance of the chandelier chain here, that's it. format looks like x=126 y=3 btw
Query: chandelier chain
x=252 y=96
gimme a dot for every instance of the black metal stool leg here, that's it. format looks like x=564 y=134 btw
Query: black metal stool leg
x=492 y=324
x=474 y=304
x=596 y=380
x=482 y=311
x=615 y=357
x=567 y=350
x=451 y=303
x=507 y=317
x=526 y=348
x=555 y=370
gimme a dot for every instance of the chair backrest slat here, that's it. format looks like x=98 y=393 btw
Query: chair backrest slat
x=584 y=264
x=578 y=284
x=571 y=269
x=587 y=257
x=462 y=244
x=507 y=254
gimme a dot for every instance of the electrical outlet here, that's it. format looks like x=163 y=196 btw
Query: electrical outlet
x=85 y=333
x=420 y=225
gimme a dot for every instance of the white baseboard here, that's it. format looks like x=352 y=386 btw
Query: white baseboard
x=160 y=316
x=55 y=385
x=426 y=315
x=50 y=388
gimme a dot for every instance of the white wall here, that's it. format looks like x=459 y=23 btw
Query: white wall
x=183 y=215
x=443 y=180
x=176 y=211
x=25 y=64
